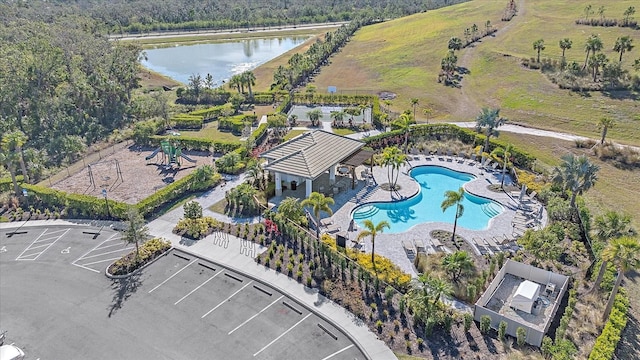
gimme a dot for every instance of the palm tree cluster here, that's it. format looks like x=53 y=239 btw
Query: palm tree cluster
x=489 y=120
x=393 y=159
x=424 y=299
x=318 y=203
x=601 y=20
x=576 y=175
x=242 y=200
x=239 y=81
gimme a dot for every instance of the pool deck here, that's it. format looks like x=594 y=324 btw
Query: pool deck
x=499 y=236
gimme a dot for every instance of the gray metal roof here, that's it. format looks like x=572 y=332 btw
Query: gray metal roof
x=309 y=155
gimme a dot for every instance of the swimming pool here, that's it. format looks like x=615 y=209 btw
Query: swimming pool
x=425 y=206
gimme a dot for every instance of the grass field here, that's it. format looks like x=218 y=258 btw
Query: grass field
x=403 y=56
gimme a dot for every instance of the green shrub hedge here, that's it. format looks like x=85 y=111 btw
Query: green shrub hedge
x=236 y=124
x=186 y=121
x=198 y=144
x=606 y=343
x=6 y=184
x=210 y=113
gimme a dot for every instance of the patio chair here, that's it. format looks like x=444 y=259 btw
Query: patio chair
x=332 y=229
x=449 y=156
x=440 y=155
x=420 y=248
x=461 y=157
x=496 y=167
x=409 y=249
x=487 y=165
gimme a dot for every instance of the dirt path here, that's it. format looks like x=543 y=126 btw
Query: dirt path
x=467 y=106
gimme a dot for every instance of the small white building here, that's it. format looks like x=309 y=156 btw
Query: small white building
x=525 y=296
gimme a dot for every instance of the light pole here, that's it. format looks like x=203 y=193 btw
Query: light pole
x=106 y=202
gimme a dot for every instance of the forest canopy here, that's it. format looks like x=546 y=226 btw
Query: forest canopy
x=120 y=16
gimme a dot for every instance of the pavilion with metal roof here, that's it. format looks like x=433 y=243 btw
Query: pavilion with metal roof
x=310 y=155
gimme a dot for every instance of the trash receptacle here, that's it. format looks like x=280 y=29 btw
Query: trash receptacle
x=294 y=185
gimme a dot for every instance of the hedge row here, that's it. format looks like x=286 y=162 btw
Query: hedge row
x=198 y=144
x=86 y=206
x=210 y=113
x=606 y=343
x=236 y=123
x=187 y=121
x=467 y=136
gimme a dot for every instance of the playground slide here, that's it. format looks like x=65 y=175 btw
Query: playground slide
x=154 y=153
x=187 y=158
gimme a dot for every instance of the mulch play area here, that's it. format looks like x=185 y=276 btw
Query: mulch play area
x=127 y=176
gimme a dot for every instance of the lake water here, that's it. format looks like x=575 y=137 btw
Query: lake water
x=221 y=60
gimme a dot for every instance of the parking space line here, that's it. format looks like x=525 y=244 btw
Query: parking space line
x=201 y=285
x=40 y=239
x=227 y=299
x=84 y=267
x=108 y=246
x=100 y=261
x=281 y=335
x=34 y=241
x=338 y=352
x=107 y=253
x=170 y=277
x=89 y=252
x=254 y=316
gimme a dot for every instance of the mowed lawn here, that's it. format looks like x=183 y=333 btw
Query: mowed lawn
x=403 y=56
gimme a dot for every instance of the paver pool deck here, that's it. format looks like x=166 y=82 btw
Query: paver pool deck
x=390 y=245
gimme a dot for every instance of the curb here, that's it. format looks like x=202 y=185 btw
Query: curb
x=119 y=277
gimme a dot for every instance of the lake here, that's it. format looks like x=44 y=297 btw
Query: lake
x=221 y=60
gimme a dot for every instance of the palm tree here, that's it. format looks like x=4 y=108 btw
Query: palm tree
x=414 y=103
x=489 y=119
x=371 y=229
x=604 y=124
x=601 y=12
x=314 y=115
x=254 y=173
x=8 y=160
x=593 y=45
x=624 y=253
x=628 y=13
x=13 y=141
x=236 y=82
x=505 y=154
x=454 y=198
x=487 y=27
x=249 y=78
x=457 y=264
x=393 y=159
x=610 y=225
x=439 y=288
x=136 y=230
x=538 y=45
x=565 y=44
x=338 y=116
x=404 y=123
x=622 y=45
x=596 y=62
x=293 y=118
x=575 y=174
x=588 y=10
x=455 y=43
x=290 y=208
x=318 y=202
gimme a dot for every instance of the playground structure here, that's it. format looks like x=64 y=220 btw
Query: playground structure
x=171 y=155
x=105 y=178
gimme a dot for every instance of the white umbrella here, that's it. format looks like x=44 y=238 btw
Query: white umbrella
x=523 y=191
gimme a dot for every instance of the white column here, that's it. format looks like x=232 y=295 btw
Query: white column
x=332 y=174
x=309 y=187
x=278 y=184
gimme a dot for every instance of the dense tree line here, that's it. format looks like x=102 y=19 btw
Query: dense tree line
x=63 y=85
x=120 y=16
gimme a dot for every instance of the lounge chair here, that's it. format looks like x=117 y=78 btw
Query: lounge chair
x=449 y=156
x=487 y=165
x=440 y=155
x=461 y=157
x=420 y=248
x=409 y=249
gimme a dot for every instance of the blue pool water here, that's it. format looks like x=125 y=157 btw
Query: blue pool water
x=425 y=206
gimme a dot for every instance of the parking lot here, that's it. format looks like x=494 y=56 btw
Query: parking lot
x=56 y=303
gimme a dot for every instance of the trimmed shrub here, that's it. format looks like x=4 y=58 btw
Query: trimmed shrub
x=502 y=330
x=485 y=324
x=607 y=342
x=521 y=335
